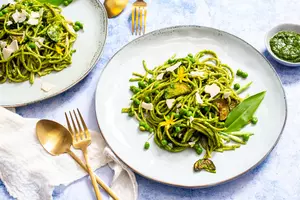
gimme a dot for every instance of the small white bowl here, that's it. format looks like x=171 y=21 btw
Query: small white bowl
x=272 y=32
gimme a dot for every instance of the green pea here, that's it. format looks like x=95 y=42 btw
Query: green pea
x=177 y=115
x=141 y=84
x=239 y=72
x=156 y=85
x=142 y=123
x=136 y=101
x=130 y=114
x=172 y=113
x=246 y=137
x=137 y=90
x=199 y=150
x=76 y=28
x=146 y=145
x=177 y=129
x=183 y=111
x=134 y=89
x=172 y=85
x=1 y=14
x=170 y=61
x=244 y=75
x=189 y=113
x=70 y=1
x=254 y=120
x=151 y=80
x=79 y=24
x=35 y=9
x=142 y=128
x=236 y=86
x=206 y=109
x=147 y=99
x=190 y=55
x=147 y=127
x=32 y=45
x=196 y=146
x=4 y=11
x=30 y=4
x=192 y=60
x=164 y=142
x=66 y=3
x=151 y=130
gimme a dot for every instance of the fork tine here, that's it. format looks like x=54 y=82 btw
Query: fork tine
x=68 y=123
x=84 y=125
x=145 y=17
x=82 y=121
x=136 y=20
x=132 y=18
x=76 y=134
x=69 y=126
x=81 y=132
x=141 y=21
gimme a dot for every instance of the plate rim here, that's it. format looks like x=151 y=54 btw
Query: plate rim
x=79 y=79
x=170 y=28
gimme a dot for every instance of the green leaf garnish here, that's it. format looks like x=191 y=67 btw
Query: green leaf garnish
x=53 y=2
x=243 y=113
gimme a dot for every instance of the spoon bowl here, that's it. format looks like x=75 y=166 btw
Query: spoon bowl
x=54 y=137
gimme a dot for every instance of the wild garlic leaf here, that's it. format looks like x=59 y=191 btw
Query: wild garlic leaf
x=53 y=2
x=243 y=113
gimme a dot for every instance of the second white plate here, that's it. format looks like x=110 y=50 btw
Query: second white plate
x=122 y=134
x=89 y=46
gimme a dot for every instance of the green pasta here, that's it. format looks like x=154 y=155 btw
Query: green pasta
x=35 y=39
x=184 y=103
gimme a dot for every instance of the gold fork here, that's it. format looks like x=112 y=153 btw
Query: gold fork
x=138 y=17
x=81 y=140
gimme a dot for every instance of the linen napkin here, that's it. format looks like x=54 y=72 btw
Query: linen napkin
x=29 y=172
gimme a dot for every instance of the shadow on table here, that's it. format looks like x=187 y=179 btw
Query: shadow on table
x=288 y=75
x=3 y=192
x=148 y=187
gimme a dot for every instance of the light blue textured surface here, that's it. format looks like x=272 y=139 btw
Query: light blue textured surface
x=278 y=177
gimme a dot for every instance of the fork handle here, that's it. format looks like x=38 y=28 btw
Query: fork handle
x=92 y=175
x=99 y=181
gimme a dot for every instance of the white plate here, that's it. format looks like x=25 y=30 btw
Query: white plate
x=89 y=46
x=121 y=132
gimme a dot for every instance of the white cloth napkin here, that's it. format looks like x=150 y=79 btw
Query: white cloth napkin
x=29 y=172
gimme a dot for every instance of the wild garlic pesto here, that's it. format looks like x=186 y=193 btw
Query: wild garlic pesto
x=286 y=45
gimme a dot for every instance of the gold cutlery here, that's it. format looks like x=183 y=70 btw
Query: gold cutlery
x=138 y=17
x=81 y=140
x=114 y=7
x=57 y=140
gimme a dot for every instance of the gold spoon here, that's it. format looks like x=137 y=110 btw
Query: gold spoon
x=57 y=140
x=114 y=7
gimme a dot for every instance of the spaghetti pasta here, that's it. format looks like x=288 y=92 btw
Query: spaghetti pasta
x=185 y=102
x=42 y=40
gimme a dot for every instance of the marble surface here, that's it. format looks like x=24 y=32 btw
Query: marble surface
x=278 y=177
